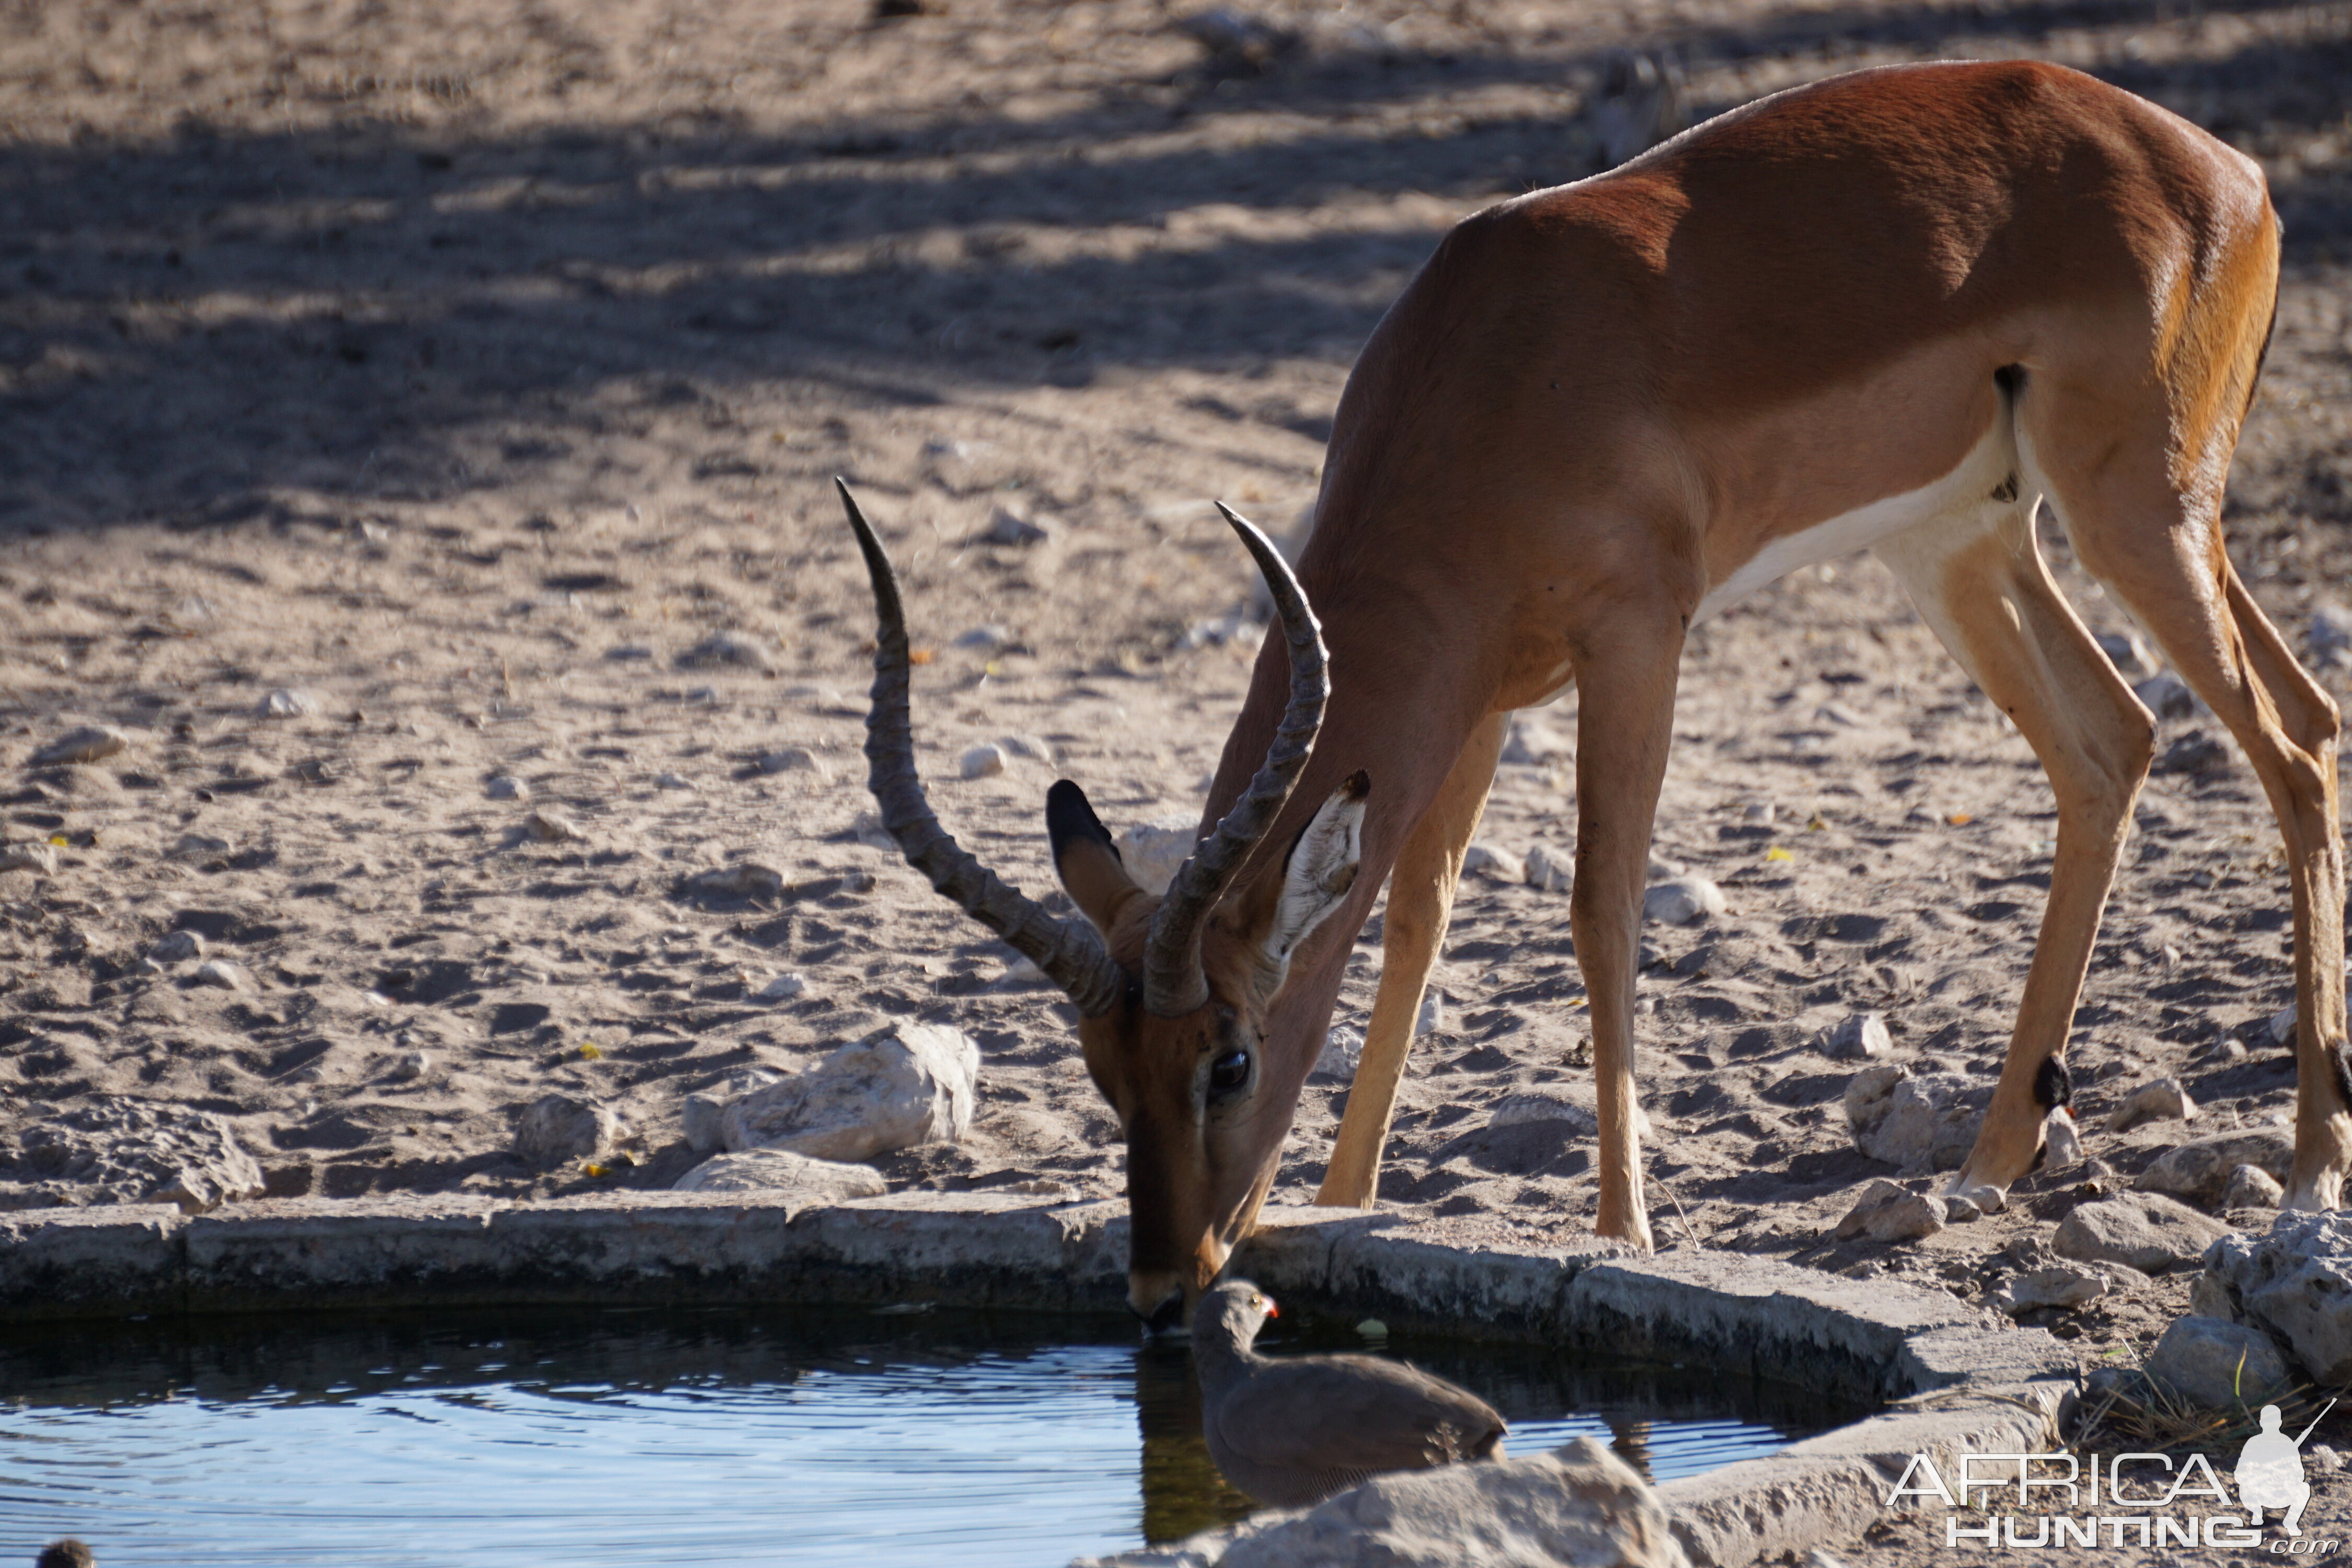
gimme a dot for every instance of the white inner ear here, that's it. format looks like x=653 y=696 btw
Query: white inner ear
x=1322 y=868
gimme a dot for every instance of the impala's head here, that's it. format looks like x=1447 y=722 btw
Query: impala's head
x=1172 y=989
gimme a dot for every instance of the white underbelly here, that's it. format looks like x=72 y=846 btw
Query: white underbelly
x=1966 y=487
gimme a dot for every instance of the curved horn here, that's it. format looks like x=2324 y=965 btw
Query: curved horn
x=1069 y=952
x=1173 y=982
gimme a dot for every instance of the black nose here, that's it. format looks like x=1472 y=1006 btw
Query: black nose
x=1166 y=1318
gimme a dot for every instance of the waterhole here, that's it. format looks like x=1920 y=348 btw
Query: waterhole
x=642 y=1438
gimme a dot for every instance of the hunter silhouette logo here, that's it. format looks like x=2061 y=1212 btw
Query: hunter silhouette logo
x=2270 y=1471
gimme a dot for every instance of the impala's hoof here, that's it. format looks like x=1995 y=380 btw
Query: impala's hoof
x=1988 y=1197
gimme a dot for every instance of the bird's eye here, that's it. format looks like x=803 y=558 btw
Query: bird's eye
x=1229 y=1072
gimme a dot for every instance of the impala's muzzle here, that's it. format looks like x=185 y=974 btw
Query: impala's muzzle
x=1157 y=1299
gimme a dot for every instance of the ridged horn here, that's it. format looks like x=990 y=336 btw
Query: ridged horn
x=1069 y=952
x=1173 y=980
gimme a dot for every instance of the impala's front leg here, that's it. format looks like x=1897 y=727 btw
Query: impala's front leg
x=1623 y=724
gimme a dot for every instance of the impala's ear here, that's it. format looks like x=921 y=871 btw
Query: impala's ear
x=1084 y=856
x=1319 y=870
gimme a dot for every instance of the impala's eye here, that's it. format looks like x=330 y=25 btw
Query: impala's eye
x=1229 y=1072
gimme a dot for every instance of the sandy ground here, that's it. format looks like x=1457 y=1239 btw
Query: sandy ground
x=465 y=366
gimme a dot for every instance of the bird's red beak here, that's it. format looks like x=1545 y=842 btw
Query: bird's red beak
x=1272 y=1310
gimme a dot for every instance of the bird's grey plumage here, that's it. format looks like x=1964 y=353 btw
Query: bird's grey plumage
x=1294 y=1430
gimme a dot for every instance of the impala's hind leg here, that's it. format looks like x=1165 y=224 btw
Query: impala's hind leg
x=1980 y=581
x=1420 y=901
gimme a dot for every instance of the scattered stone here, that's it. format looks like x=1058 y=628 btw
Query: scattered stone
x=2167 y=696
x=2330 y=634
x=2062 y=1141
x=1007 y=527
x=1661 y=868
x=1153 y=851
x=1860 y=1037
x=987 y=639
x=2251 y=1187
x=909 y=1084
x=778 y=1169
x=224 y=973
x=1238 y=44
x=1492 y=860
x=2200 y=1169
x=1537 y=1106
x=1531 y=743
x=2219 y=1364
x=2162 y=1100
x=2280 y=1026
x=197 y=846
x=177 y=947
x=29 y=855
x=1431 y=1018
x=1550 y=869
x=1343 y=1047
x=2295 y=1283
x=85 y=743
x=782 y=988
x=743 y=879
x=1915 y=1122
x=796 y=760
x=557 y=1129
x=411 y=1067
x=2065 y=1288
x=727 y=648
x=1028 y=748
x=289 y=703
x=506 y=787
x=703 y=1106
x=1683 y=901
x=1887 y=1211
x=672 y=781
x=2195 y=752
x=552 y=828
x=2146 y=1231
x=984 y=761
x=122 y=1150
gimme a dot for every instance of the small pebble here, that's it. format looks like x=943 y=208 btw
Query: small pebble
x=548 y=827
x=224 y=973
x=987 y=639
x=411 y=1067
x=983 y=763
x=2061 y=1141
x=726 y=648
x=2161 y=1099
x=1860 y=1037
x=2167 y=696
x=2251 y=1187
x=199 y=844
x=89 y=743
x=1683 y=901
x=1431 y=1018
x=782 y=988
x=1494 y=861
x=29 y=857
x=1009 y=528
x=289 y=703
x=177 y=947
x=795 y=760
x=508 y=787
x=1550 y=869
x=1343 y=1047
x=1028 y=748
x=671 y=781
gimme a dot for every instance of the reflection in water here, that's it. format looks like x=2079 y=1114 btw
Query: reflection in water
x=1182 y=1491
x=1631 y=1438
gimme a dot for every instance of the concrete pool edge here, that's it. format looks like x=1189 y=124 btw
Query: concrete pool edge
x=1961 y=1379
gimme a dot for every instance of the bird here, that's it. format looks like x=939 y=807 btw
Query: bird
x=65 y=1554
x=1294 y=1430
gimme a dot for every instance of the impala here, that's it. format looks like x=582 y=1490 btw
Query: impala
x=1893 y=310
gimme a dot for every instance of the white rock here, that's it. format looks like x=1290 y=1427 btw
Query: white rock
x=778 y=1169
x=1492 y=860
x=1860 y=1037
x=2159 y=1099
x=121 y=1150
x=1028 y=748
x=1887 y=1211
x=2295 y=1283
x=672 y=781
x=727 y=648
x=87 y=743
x=1923 y=1123
x=2219 y=1364
x=411 y=1067
x=29 y=855
x=703 y=1106
x=506 y=787
x=1343 y=1047
x=796 y=760
x=198 y=845
x=2200 y=1169
x=288 y=702
x=1552 y=868
x=552 y=828
x=2065 y=1289
x=2061 y=1141
x=2330 y=631
x=984 y=762
x=177 y=947
x=909 y=1084
x=557 y=1129
x=2251 y=1187
x=987 y=639
x=1683 y=901
x=1153 y=850
x=224 y=974
x=782 y=988
x=2145 y=1231
x=1431 y=1019
x=741 y=879
x=1535 y=1105
x=2167 y=696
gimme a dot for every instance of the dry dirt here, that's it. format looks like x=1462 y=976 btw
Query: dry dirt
x=465 y=366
